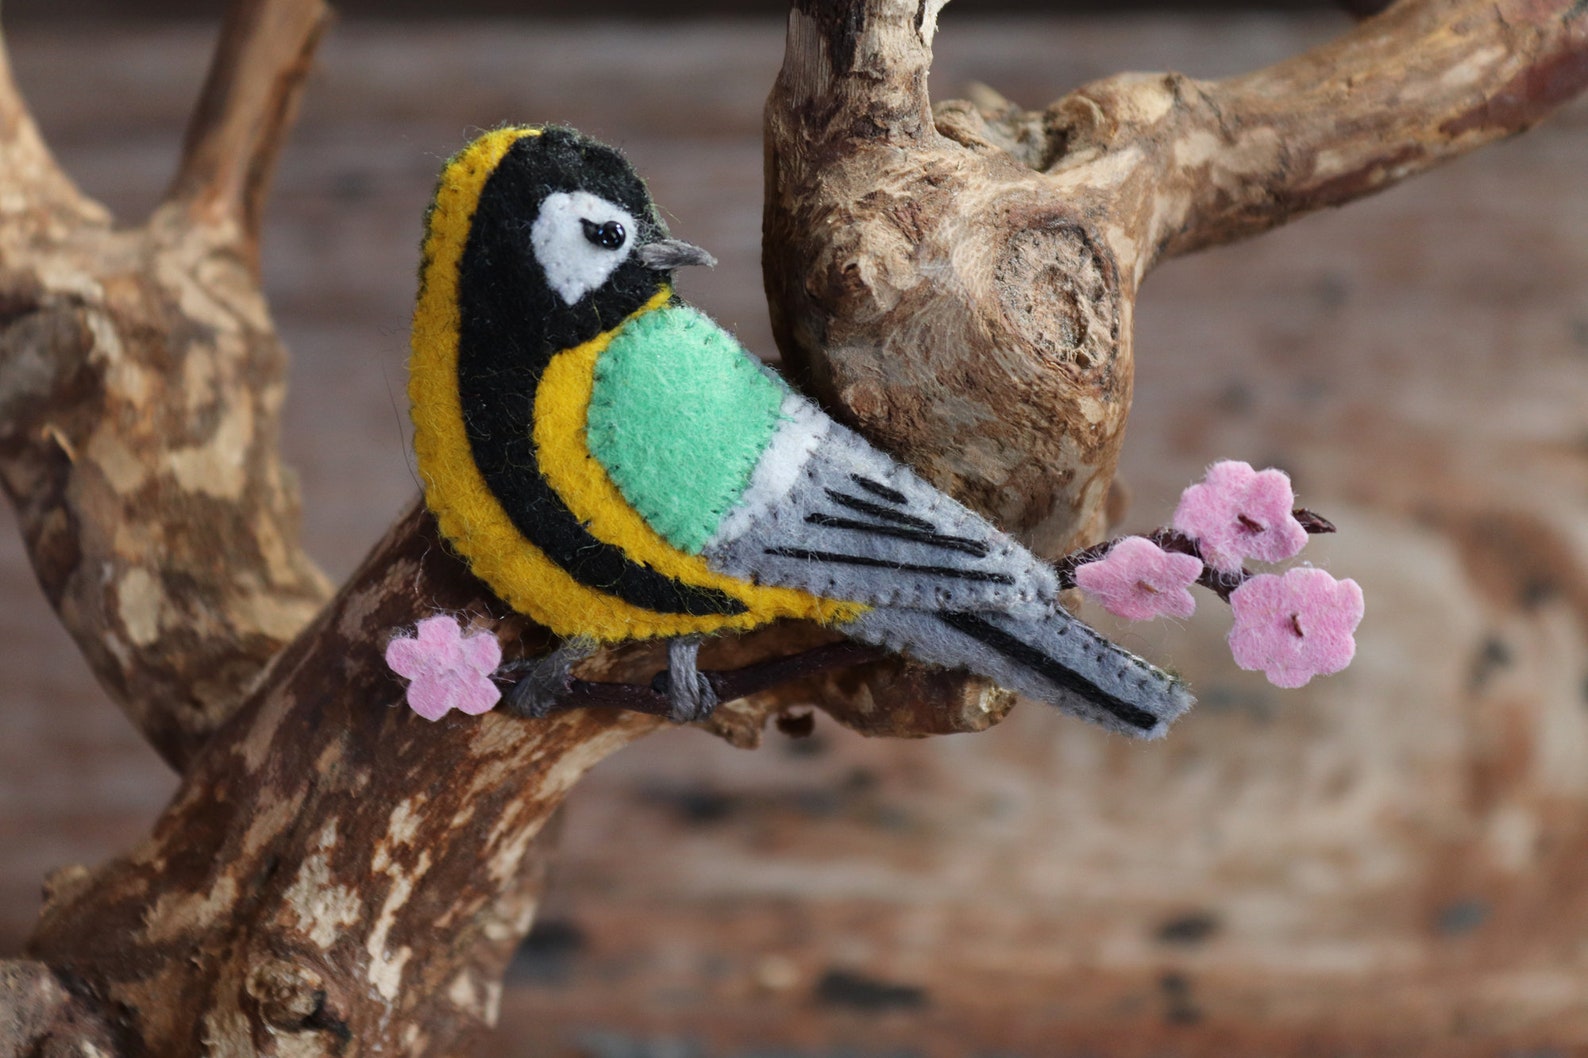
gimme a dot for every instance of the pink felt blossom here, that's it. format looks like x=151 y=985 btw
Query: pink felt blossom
x=1296 y=626
x=1138 y=580
x=1237 y=513
x=447 y=669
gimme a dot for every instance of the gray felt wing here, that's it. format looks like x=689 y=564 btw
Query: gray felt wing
x=1052 y=657
x=828 y=513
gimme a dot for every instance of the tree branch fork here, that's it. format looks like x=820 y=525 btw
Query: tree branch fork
x=335 y=872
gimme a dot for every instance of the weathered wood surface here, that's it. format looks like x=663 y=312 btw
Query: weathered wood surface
x=1402 y=842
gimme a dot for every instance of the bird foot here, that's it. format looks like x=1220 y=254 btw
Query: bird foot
x=543 y=683
x=546 y=680
x=688 y=689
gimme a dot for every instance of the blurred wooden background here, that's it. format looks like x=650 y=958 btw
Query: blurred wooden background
x=143 y=11
x=1392 y=861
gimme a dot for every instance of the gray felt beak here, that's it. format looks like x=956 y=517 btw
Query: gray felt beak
x=668 y=254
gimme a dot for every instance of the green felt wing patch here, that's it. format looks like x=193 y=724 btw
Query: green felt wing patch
x=679 y=415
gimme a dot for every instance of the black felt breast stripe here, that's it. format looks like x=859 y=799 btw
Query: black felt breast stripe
x=510 y=329
x=1024 y=654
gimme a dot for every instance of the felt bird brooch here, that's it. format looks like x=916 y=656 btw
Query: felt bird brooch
x=616 y=466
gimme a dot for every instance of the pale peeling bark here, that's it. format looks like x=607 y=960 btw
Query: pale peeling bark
x=337 y=876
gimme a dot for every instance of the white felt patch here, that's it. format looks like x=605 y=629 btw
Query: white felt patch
x=801 y=430
x=573 y=264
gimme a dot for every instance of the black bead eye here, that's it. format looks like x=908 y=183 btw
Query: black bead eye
x=608 y=236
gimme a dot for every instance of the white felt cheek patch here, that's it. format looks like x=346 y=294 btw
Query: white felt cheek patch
x=573 y=265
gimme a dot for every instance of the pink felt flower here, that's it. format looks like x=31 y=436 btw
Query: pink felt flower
x=446 y=669
x=1138 y=580
x=1237 y=513
x=1296 y=626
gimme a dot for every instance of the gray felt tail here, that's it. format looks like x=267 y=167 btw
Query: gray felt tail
x=1054 y=658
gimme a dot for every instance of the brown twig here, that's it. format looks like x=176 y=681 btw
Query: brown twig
x=1219 y=583
x=1019 y=239
x=730 y=685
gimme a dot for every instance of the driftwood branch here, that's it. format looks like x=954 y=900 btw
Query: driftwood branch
x=335 y=873
x=1416 y=86
x=138 y=429
x=244 y=110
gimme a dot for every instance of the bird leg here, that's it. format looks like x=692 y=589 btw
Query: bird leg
x=547 y=680
x=687 y=688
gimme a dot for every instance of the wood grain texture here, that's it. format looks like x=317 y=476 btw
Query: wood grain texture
x=1337 y=876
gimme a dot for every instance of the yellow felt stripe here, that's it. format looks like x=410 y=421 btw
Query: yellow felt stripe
x=561 y=409
x=465 y=508
x=467 y=511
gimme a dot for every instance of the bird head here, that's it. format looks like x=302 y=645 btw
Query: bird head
x=564 y=236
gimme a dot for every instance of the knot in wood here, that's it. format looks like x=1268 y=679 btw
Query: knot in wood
x=43 y=354
x=289 y=995
x=1060 y=295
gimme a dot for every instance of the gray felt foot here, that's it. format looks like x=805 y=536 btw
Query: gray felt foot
x=546 y=680
x=691 y=694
